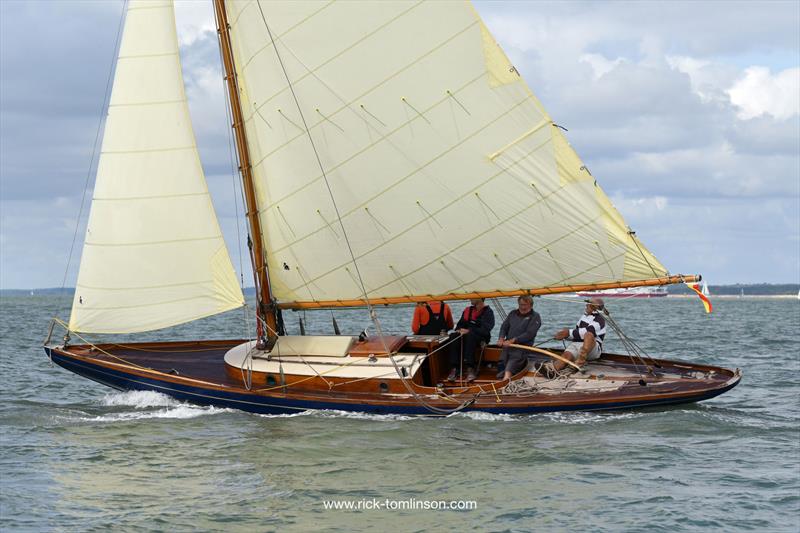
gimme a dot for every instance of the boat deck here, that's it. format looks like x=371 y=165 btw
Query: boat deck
x=196 y=371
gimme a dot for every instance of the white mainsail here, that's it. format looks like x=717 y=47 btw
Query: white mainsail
x=448 y=173
x=154 y=255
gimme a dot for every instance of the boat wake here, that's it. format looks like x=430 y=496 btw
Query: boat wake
x=587 y=417
x=353 y=415
x=488 y=417
x=149 y=404
x=558 y=418
x=139 y=399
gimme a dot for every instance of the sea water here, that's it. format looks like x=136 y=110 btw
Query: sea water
x=76 y=456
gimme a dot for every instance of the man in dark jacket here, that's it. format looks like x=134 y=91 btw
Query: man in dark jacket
x=519 y=327
x=474 y=326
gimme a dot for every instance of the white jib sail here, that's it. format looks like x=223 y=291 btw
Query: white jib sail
x=154 y=255
x=448 y=173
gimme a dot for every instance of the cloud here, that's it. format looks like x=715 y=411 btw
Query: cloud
x=194 y=20
x=708 y=79
x=600 y=64
x=759 y=93
x=685 y=112
x=642 y=207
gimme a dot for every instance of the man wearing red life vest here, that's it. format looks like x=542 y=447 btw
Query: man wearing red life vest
x=432 y=318
x=474 y=326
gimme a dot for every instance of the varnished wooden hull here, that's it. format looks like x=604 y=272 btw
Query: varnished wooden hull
x=195 y=372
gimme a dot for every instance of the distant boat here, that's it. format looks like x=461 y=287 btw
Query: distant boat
x=634 y=292
x=705 y=290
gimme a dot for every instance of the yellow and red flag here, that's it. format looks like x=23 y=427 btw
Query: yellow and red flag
x=706 y=302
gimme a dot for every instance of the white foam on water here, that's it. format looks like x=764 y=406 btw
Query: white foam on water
x=487 y=417
x=139 y=399
x=177 y=412
x=285 y=415
x=584 y=417
x=353 y=415
x=144 y=403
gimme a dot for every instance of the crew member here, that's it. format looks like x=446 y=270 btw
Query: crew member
x=432 y=318
x=586 y=337
x=474 y=326
x=519 y=327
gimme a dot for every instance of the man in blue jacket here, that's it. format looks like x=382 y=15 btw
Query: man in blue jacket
x=474 y=326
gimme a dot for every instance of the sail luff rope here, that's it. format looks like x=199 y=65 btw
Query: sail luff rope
x=106 y=98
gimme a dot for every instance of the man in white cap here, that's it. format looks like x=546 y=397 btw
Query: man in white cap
x=586 y=337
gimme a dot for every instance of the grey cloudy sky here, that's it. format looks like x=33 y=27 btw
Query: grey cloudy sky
x=688 y=114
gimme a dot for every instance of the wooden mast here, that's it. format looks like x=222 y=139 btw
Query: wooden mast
x=265 y=306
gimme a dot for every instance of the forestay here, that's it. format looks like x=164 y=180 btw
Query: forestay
x=448 y=173
x=154 y=255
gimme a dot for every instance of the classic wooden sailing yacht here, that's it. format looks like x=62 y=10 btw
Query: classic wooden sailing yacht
x=390 y=153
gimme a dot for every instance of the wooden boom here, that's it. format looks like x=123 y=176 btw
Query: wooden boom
x=679 y=278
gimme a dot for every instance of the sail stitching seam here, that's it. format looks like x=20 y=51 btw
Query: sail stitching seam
x=322 y=169
x=242 y=11
x=144 y=7
x=507 y=264
x=332 y=58
x=372 y=89
x=588 y=271
x=145 y=104
x=441 y=209
x=386 y=137
x=217 y=311
x=312 y=71
x=153 y=304
x=148 y=243
x=144 y=287
x=145 y=56
x=151 y=150
x=400 y=180
x=186 y=195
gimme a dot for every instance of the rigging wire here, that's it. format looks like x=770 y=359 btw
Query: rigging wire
x=373 y=315
x=117 y=44
x=247 y=326
x=319 y=160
